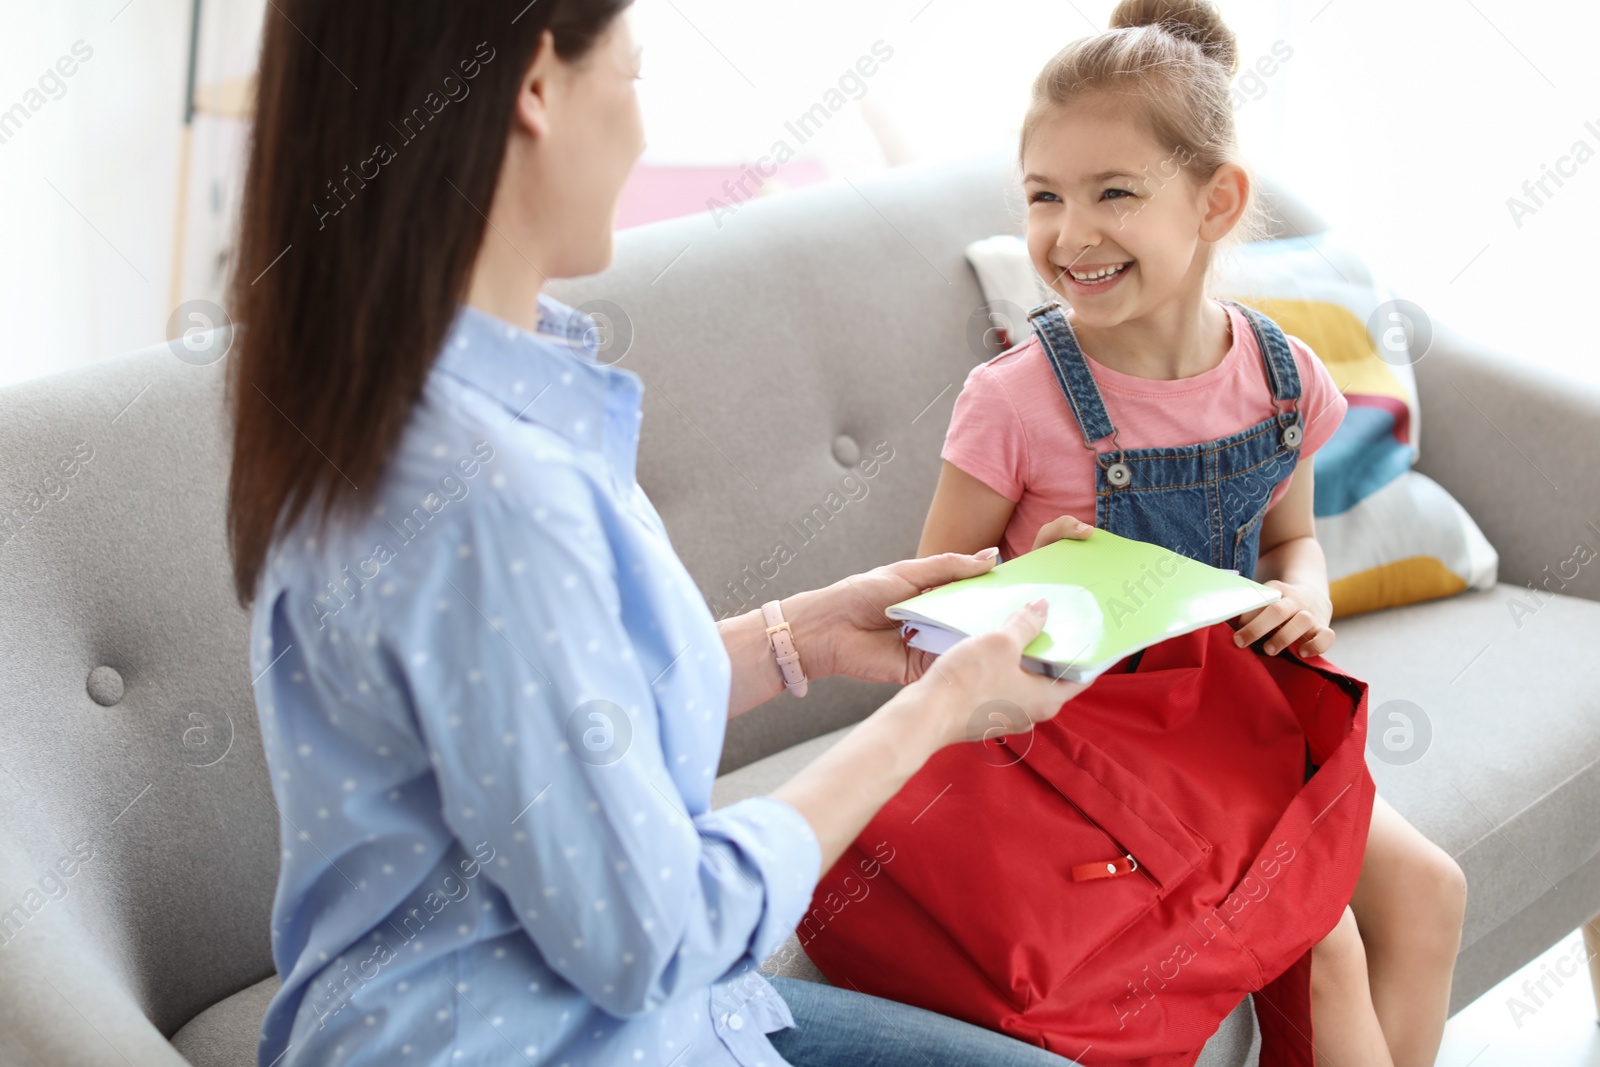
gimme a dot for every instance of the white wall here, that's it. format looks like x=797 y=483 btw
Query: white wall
x=84 y=266
x=88 y=183
x=1411 y=123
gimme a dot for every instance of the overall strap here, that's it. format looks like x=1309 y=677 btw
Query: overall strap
x=1282 y=374
x=1072 y=372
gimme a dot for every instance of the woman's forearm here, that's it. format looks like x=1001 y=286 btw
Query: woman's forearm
x=840 y=791
x=756 y=677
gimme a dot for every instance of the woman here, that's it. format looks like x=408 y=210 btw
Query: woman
x=491 y=697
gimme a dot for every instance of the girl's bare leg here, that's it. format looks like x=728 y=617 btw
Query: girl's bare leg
x=1344 y=1025
x=1409 y=904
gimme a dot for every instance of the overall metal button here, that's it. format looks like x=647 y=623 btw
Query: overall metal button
x=1118 y=474
x=1291 y=436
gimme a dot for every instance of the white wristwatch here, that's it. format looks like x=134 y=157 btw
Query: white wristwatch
x=781 y=638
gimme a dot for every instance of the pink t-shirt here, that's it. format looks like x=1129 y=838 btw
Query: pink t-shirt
x=1013 y=429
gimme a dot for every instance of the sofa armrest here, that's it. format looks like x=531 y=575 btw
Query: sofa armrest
x=1516 y=445
x=61 y=1003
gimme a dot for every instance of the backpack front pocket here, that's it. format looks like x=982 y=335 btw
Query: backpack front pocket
x=1147 y=840
x=1032 y=868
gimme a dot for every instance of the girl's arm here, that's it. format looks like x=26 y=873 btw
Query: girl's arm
x=1289 y=549
x=1292 y=559
x=965 y=516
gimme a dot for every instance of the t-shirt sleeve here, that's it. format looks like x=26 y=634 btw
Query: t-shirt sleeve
x=986 y=437
x=1322 y=405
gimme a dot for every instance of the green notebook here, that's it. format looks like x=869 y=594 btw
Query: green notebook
x=1109 y=597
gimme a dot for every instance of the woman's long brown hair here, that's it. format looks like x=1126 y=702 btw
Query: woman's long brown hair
x=379 y=134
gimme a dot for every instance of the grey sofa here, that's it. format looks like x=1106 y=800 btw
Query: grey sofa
x=138 y=854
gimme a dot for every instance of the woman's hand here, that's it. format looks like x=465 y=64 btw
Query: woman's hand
x=981 y=688
x=975 y=691
x=851 y=634
x=855 y=636
x=1300 y=618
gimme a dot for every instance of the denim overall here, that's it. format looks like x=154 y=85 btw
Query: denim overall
x=1205 y=501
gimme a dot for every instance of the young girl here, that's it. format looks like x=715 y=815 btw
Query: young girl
x=1158 y=412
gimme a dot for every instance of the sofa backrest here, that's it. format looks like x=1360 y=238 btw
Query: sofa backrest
x=788 y=347
x=140 y=837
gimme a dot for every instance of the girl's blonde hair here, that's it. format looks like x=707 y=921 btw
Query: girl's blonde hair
x=1166 y=65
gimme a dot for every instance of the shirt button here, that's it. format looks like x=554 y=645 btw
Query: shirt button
x=735 y=1022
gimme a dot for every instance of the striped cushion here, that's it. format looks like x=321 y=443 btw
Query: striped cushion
x=1391 y=535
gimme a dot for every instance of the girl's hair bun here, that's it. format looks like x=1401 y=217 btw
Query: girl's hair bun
x=1192 y=20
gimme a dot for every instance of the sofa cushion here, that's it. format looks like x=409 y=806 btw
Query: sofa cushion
x=1491 y=750
x=226 y=1034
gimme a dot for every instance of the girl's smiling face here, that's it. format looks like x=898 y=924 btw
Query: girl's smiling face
x=1103 y=195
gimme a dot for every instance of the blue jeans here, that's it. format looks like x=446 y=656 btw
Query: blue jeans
x=837 y=1027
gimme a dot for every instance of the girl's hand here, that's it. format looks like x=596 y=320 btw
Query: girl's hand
x=981 y=689
x=852 y=634
x=1300 y=618
x=1064 y=527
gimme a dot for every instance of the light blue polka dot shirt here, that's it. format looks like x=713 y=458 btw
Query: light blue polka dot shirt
x=492 y=709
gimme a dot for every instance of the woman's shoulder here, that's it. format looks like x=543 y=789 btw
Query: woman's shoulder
x=453 y=476
x=463 y=457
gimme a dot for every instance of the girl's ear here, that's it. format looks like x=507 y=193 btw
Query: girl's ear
x=1224 y=201
x=532 y=115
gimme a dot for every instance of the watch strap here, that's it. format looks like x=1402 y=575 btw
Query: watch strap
x=781 y=638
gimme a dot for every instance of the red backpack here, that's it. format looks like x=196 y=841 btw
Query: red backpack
x=1111 y=885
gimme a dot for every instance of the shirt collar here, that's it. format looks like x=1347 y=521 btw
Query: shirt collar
x=552 y=376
